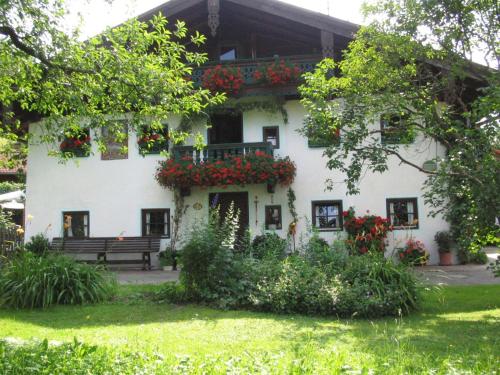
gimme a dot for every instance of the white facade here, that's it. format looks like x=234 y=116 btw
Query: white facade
x=115 y=191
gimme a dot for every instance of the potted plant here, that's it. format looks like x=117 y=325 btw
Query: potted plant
x=166 y=259
x=444 y=240
x=413 y=253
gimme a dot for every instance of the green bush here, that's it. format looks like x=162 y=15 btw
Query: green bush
x=38 y=244
x=30 y=281
x=268 y=245
x=8 y=186
x=211 y=268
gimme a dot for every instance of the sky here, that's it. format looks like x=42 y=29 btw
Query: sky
x=98 y=14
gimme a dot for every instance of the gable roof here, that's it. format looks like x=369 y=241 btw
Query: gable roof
x=273 y=7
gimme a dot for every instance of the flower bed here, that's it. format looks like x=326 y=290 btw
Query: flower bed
x=226 y=79
x=255 y=168
x=366 y=232
x=413 y=253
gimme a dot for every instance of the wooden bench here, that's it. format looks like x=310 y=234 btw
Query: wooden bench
x=105 y=246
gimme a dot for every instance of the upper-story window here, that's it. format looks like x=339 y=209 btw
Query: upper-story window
x=228 y=52
x=327 y=215
x=393 y=129
x=75 y=224
x=271 y=134
x=403 y=212
x=152 y=141
x=226 y=128
x=116 y=142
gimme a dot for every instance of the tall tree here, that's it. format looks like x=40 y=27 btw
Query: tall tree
x=139 y=68
x=413 y=68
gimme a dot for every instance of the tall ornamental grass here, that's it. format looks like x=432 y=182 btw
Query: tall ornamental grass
x=30 y=281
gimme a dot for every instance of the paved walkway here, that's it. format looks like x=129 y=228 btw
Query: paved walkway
x=146 y=277
x=451 y=275
x=458 y=275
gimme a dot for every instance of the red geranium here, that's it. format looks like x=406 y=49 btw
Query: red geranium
x=280 y=72
x=220 y=78
x=255 y=168
x=366 y=232
x=76 y=144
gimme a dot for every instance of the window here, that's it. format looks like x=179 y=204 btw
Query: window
x=327 y=215
x=271 y=134
x=156 y=222
x=403 y=212
x=76 y=224
x=321 y=140
x=228 y=53
x=273 y=217
x=76 y=144
x=152 y=141
x=116 y=141
x=393 y=131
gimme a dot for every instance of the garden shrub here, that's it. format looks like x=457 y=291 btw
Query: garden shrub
x=268 y=245
x=38 y=244
x=29 y=281
x=211 y=269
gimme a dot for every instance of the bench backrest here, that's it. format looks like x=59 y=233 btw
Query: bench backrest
x=106 y=244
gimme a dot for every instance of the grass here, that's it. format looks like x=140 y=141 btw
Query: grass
x=457 y=330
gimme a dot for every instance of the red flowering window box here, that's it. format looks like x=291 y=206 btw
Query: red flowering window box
x=253 y=168
x=280 y=72
x=152 y=141
x=76 y=145
x=220 y=78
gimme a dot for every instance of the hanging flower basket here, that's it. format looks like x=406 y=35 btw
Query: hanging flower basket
x=255 y=168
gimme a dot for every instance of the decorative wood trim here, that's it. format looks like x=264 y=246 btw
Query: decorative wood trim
x=327 y=43
x=213 y=16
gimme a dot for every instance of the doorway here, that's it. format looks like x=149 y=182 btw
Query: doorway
x=226 y=128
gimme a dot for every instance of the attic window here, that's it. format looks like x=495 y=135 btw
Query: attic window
x=228 y=53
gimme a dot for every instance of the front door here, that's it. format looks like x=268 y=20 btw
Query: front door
x=240 y=200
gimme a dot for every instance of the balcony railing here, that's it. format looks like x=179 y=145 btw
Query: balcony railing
x=220 y=151
x=306 y=63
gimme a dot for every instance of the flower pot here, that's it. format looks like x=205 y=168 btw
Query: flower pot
x=271 y=188
x=446 y=259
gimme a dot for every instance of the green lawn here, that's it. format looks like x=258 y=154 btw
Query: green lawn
x=456 y=331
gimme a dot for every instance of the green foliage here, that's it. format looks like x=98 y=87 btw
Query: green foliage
x=138 y=68
x=495 y=267
x=38 y=244
x=444 y=241
x=211 y=270
x=268 y=245
x=30 y=281
x=392 y=68
x=9 y=186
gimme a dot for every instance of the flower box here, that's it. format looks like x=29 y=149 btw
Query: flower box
x=78 y=146
x=252 y=168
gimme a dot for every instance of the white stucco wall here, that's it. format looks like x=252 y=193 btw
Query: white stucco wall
x=114 y=192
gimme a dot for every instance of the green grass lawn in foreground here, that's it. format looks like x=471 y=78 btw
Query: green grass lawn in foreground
x=457 y=330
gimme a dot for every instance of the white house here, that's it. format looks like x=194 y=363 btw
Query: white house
x=107 y=196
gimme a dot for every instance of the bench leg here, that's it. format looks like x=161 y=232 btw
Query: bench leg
x=144 y=261
x=149 y=261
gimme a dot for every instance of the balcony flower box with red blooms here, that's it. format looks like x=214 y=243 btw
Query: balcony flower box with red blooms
x=152 y=142
x=221 y=78
x=280 y=72
x=78 y=146
x=366 y=233
x=254 y=168
x=413 y=253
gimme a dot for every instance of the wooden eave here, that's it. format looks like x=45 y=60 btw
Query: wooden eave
x=272 y=7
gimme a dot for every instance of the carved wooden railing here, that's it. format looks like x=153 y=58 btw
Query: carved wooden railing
x=220 y=151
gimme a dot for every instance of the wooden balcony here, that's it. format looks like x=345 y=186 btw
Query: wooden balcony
x=220 y=151
x=251 y=86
